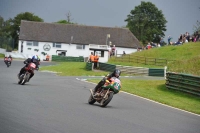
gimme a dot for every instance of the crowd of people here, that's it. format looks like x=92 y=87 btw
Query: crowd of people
x=183 y=38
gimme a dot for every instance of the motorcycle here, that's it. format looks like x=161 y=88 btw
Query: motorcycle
x=24 y=77
x=105 y=93
x=8 y=62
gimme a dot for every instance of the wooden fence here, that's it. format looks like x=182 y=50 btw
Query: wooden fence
x=142 y=60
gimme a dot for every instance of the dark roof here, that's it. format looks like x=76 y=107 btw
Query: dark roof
x=61 y=33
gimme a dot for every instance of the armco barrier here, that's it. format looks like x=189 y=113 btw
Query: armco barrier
x=67 y=58
x=156 y=72
x=88 y=66
x=106 y=67
x=183 y=82
x=129 y=69
x=133 y=70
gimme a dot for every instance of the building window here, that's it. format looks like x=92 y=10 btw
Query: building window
x=31 y=43
x=35 y=43
x=99 y=53
x=57 y=45
x=102 y=53
x=78 y=46
x=36 y=50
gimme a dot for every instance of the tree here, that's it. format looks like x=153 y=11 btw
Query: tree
x=15 y=24
x=5 y=38
x=196 y=27
x=146 y=22
x=64 y=22
x=67 y=21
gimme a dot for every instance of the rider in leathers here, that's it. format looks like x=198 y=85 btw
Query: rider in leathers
x=116 y=73
x=27 y=61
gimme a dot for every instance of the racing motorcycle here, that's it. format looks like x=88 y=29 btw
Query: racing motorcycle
x=8 y=62
x=24 y=77
x=105 y=93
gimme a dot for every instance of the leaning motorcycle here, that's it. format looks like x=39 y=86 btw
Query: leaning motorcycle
x=24 y=77
x=105 y=93
x=8 y=62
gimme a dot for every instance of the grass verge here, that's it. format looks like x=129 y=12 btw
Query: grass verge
x=1 y=55
x=73 y=69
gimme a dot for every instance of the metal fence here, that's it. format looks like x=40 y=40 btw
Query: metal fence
x=130 y=70
x=183 y=82
x=107 y=67
x=67 y=58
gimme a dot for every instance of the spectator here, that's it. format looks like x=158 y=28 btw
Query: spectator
x=148 y=46
x=161 y=41
x=178 y=42
x=124 y=53
x=169 y=39
x=180 y=38
x=153 y=45
x=47 y=57
x=91 y=58
x=113 y=50
x=96 y=60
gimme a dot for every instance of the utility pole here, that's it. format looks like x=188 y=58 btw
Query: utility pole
x=68 y=17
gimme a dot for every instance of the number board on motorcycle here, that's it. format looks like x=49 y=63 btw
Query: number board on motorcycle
x=32 y=65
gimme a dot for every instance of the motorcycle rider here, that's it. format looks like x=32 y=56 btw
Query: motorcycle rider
x=10 y=57
x=116 y=73
x=35 y=59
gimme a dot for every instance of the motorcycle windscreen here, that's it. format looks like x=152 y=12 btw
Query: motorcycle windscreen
x=115 y=86
x=31 y=66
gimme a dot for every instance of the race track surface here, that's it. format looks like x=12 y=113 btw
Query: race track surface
x=55 y=104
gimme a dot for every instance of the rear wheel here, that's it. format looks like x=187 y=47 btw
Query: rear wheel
x=91 y=100
x=105 y=102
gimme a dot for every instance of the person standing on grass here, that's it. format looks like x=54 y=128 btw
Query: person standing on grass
x=91 y=58
x=96 y=60
x=169 y=39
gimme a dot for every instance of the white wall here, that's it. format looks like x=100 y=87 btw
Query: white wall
x=120 y=50
x=70 y=48
x=2 y=51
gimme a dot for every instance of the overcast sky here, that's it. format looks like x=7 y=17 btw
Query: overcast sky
x=181 y=15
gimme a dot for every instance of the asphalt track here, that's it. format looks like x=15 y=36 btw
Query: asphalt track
x=55 y=104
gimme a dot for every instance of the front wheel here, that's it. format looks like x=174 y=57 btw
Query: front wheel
x=105 y=102
x=91 y=100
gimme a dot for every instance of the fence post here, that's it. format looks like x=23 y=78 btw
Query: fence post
x=165 y=71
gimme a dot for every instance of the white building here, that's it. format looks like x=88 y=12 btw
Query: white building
x=74 y=40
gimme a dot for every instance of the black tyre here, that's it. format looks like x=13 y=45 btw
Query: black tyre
x=105 y=102
x=19 y=82
x=91 y=100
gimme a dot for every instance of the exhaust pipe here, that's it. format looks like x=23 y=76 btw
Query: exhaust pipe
x=91 y=91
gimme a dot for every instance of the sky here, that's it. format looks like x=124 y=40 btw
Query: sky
x=181 y=15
